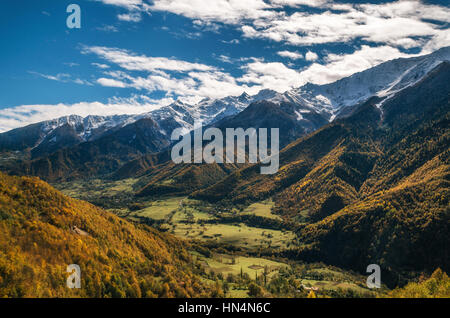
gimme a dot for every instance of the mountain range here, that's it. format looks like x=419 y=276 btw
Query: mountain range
x=364 y=171
x=297 y=112
x=372 y=187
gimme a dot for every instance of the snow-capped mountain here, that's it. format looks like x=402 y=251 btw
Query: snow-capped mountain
x=207 y=110
x=306 y=102
x=382 y=80
x=88 y=127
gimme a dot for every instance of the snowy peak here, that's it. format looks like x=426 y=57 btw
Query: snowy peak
x=382 y=80
x=309 y=103
x=87 y=127
x=207 y=110
x=265 y=94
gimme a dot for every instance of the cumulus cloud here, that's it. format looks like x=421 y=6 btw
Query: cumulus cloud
x=179 y=78
x=109 y=82
x=279 y=77
x=226 y=11
x=173 y=76
x=133 y=62
x=403 y=24
x=134 y=9
x=338 y=66
x=311 y=56
x=290 y=55
x=128 y=4
x=272 y=75
x=296 y=3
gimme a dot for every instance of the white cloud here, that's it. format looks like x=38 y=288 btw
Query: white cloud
x=311 y=56
x=99 y=65
x=62 y=77
x=128 y=4
x=291 y=55
x=226 y=11
x=296 y=3
x=225 y=59
x=441 y=39
x=279 y=77
x=134 y=9
x=233 y=41
x=399 y=24
x=108 y=28
x=192 y=80
x=20 y=116
x=130 y=17
x=172 y=76
x=340 y=66
x=302 y=28
x=272 y=75
x=404 y=24
x=193 y=84
x=132 y=62
x=109 y=82
x=71 y=64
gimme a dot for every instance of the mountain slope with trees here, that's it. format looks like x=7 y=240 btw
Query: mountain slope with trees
x=369 y=188
x=43 y=231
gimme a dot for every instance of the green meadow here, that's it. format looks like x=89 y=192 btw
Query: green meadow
x=263 y=209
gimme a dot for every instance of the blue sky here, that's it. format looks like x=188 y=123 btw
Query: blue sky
x=131 y=56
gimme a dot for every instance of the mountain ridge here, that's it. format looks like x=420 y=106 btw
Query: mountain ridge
x=328 y=101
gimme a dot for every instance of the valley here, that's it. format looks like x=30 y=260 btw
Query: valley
x=362 y=180
x=230 y=245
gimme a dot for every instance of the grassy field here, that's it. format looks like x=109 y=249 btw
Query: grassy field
x=196 y=220
x=189 y=219
x=186 y=218
x=263 y=209
x=94 y=189
x=239 y=234
x=227 y=264
x=334 y=285
x=323 y=279
x=160 y=209
x=237 y=293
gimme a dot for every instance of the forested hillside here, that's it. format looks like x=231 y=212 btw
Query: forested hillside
x=43 y=231
x=436 y=286
x=372 y=187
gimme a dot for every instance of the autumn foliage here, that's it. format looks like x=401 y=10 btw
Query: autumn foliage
x=43 y=231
